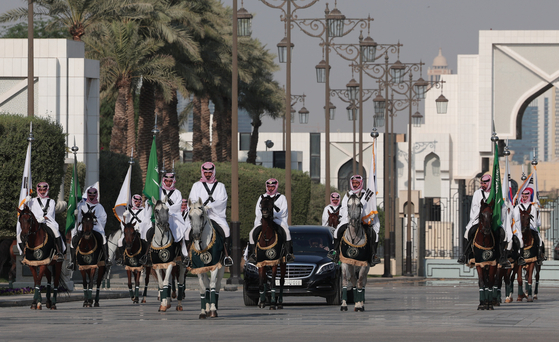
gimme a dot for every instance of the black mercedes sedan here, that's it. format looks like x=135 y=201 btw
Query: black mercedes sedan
x=311 y=274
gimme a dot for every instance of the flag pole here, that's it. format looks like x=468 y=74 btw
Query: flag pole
x=30 y=139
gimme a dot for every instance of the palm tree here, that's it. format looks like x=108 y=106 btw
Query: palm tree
x=76 y=15
x=125 y=58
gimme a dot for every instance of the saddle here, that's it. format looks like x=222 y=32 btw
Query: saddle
x=43 y=254
x=92 y=258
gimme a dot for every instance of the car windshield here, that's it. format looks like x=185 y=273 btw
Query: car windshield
x=311 y=243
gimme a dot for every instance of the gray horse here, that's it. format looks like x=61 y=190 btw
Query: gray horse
x=354 y=255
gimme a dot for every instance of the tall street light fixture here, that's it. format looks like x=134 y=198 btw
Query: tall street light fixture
x=367 y=51
x=288 y=18
x=241 y=27
x=333 y=25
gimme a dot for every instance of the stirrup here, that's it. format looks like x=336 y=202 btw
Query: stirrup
x=252 y=258
x=462 y=260
x=119 y=262
x=60 y=257
x=289 y=258
x=521 y=262
x=374 y=261
x=70 y=266
x=228 y=261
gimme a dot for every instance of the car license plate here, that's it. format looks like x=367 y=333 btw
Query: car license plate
x=290 y=282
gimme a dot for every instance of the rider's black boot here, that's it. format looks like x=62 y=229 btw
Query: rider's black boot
x=58 y=243
x=108 y=262
x=333 y=254
x=251 y=254
x=120 y=257
x=145 y=259
x=71 y=265
x=227 y=260
x=289 y=251
x=463 y=259
x=375 y=260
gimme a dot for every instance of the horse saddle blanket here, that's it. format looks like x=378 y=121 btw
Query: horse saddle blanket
x=355 y=252
x=133 y=259
x=44 y=251
x=530 y=253
x=94 y=254
x=273 y=252
x=209 y=256
x=163 y=255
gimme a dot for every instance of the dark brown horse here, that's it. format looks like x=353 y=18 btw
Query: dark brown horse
x=269 y=255
x=530 y=256
x=485 y=253
x=39 y=253
x=8 y=257
x=90 y=258
x=333 y=219
x=133 y=250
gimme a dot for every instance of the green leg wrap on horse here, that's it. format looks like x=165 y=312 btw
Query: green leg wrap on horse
x=137 y=291
x=212 y=296
x=48 y=291
x=263 y=294
x=488 y=294
x=97 y=295
x=203 y=301
x=89 y=294
x=181 y=289
x=164 y=292
x=280 y=297
x=512 y=287
x=344 y=293
x=131 y=292
x=481 y=295
x=208 y=296
x=536 y=288
x=497 y=293
x=273 y=296
x=54 y=295
x=37 y=295
x=217 y=300
x=85 y=294
x=169 y=291
x=354 y=294
x=529 y=289
x=359 y=295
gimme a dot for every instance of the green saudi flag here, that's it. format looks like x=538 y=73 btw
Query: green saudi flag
x=495 y=193
x=73 y=199
x=152 y=176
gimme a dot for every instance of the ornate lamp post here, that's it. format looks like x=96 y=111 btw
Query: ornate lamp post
x=241 y=27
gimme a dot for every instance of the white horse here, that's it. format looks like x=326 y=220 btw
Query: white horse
x=354 y=255
x=163 y=252
x=206 y=252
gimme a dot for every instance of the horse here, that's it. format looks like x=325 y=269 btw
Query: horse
x=163 y=253
x=530 y=252
x=7 y=256
x=90 y=257
x=133 y=249
x=485 y=257
x=206 y=252
x=354 y=255
x=39 y=253
x=270 y=253
x=333 y=220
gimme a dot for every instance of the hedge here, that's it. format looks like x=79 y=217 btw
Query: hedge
x=47 y=161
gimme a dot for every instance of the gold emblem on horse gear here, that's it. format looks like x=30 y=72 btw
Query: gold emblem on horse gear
x=164 y=255
x=133 y=262
x=87 y=259
x=487 y=255
x=271 y=254
x=352 y=252
x=526 y=253
x=206 y=257
x=38 y=254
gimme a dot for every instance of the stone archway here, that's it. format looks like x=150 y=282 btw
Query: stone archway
x=344 y=174
x=432 y=167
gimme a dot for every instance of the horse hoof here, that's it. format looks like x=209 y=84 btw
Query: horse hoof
x=162 y=308
x=33 y=307
x=48 y=304
x=535 y=297
x=202 y=316
x=272 y=307
x=280 y=306
x=343 y=308
x=96 y=304
x=143 y=301
x=362 y=309
x=168 y=306
x=529 y=299
x=53 y=307
x=508 y=300
x=179 y=307
x=39 y=307
x=356 y=309
x=261 y=305
x=490 y=307
x=481 y=307
x=213 y=314
x=519 y=299
x=174 y=295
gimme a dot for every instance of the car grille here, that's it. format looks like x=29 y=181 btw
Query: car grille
x=295 y=271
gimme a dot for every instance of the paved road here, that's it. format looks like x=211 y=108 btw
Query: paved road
x=398 y=310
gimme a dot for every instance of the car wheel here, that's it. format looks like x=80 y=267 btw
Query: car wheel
x=249 y=301
x=336 y=299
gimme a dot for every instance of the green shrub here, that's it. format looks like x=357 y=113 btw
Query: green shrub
x=47 y=161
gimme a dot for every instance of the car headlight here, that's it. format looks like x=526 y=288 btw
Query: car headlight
x=327 y=267
x=251 y=268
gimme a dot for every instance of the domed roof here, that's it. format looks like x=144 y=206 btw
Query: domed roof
x=440 y=60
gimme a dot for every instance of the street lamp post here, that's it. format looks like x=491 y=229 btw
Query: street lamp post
x=328 y=28
x=287 y=16
x=241 y=27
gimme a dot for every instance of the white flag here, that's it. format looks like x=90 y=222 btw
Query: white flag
x=506 y=209
x=371 y=195
x=26 y=182
x=532 y=183
x=123 y=199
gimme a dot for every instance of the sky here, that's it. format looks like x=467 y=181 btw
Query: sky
x=422 y=26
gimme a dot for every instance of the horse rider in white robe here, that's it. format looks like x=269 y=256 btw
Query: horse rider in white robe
x=90 y=204
x=333 y=207
x=535 y=220
x=214 y=197
x=280 y=218
x=140 y=217
x=43 y=210
x=373 y=229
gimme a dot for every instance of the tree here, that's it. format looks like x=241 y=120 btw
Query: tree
x=40 y=30
x=126 y=58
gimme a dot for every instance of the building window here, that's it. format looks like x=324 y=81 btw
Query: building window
x=315 y=157
x=187 y=156
x=244 y=141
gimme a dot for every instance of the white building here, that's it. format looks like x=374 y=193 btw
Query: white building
x=66 y=91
